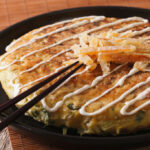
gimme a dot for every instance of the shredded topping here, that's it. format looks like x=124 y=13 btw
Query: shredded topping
x=109 y=47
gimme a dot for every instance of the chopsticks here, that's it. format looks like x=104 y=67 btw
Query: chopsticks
x=12 y=117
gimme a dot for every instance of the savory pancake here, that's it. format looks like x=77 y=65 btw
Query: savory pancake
x=110 y=94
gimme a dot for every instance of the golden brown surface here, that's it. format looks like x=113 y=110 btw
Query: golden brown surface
x=109 y=121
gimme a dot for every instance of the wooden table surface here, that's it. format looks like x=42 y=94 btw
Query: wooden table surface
x=12 y=11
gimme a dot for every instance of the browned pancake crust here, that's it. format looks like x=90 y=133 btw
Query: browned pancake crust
x=110 y=120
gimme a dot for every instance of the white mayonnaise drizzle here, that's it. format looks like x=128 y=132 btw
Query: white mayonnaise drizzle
x=43 y=62
x=12 y=43
x=98 y=18
x=65 y=21
x=131 y=26
x=46 y=76
x=147 y=38
x=97 y=79
x=60 y=103
x=118 y=84
x=115 y=101
x=35 y=51
x=135 y=33
x=76 y=19
x=16 y=87
x=139 y=97
x=115 y=23
x=66 y=39
x=126 y=33
x=80 y=90
x=49 y=26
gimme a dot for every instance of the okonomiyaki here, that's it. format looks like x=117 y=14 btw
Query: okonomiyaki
x=110 y=94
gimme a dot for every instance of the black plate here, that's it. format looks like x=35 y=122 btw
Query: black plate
x=28 y=123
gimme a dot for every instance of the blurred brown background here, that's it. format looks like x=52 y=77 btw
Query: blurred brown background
x=12 y=11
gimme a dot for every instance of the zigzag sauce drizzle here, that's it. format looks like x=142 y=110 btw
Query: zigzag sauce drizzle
x=118 y=84
x=95 y=81
x=48 y=26
x=78 y=91
x=71 y=37
x=17 y=87
x=139 y=97
x=43 y=62
x=48 y=34
x=60 y=103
